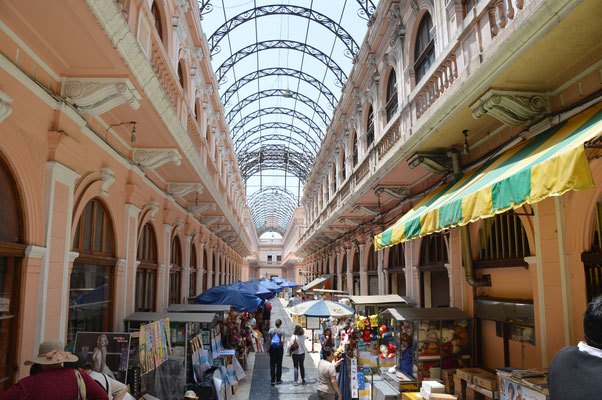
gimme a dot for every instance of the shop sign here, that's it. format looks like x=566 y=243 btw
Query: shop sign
x=313 y=323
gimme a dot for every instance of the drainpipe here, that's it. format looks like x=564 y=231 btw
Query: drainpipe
x=465 y=237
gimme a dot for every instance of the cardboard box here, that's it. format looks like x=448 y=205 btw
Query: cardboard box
x=448 y=379
x=486 y=394
x=459 y=387
x=467 y=373
x=485 y=380
x=442 y=396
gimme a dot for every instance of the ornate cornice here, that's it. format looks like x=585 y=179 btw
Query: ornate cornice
x=96 y=96
x=395 y=192
x=510 y=107
x=154 y=158
x=182 y=189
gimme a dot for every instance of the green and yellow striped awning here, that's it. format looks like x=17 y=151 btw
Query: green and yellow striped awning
x=547 y=165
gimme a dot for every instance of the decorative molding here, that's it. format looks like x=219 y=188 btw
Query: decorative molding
x=121 y=262
x=107 y=176
x=510 y=107
x=96 y=96
x=340 y=229
x=183 y=4
x=178 y=225
x=73 y=255
x=369 y=209
x=154 y=158
x=35 y=251
x=395 y=192
x=197 y=208
x=182 y=189
x=197 y=53
x=437 y=163
x=5 y=108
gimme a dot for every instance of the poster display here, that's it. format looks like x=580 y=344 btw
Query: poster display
x=299 y=320
x=107 y=353
x=154 y=346
x=354 y=381
x=313 y=323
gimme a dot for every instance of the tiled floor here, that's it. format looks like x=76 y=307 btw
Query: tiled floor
x=261 y=389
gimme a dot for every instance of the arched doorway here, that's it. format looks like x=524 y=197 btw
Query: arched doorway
x=372 y=272
x=205 y=275
x=12 y=250
x=146 y=273
x=434 y=280
x=91 y=281
x=175 y=272
x=592 y=260
x=395 y=269
x=192 y=276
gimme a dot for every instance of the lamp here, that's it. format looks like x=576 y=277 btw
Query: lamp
x=132 y=134
x=287 y=94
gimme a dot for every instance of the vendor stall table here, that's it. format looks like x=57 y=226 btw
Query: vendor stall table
x=373 y=304
x=219 y=309
x=429 y=340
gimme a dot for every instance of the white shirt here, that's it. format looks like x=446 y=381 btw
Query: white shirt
x=586 y=348
x=301 y=341
x=115 y=387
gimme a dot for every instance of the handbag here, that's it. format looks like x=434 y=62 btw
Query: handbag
x=293 y=346
x=81 y=386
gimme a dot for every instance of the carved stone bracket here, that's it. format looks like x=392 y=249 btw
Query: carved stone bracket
x=182 y=189
x=341 y=229
x=107 y=175
x=154 y=158
x=511 y=108
x=5 y=108
x=367 y=209
x=154 y=207
x=437 y=163
x=351 y=221
x=395 y=192
x=212 y=219
x=197 y=208
x=96 y=96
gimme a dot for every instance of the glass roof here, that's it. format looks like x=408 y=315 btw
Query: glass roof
x=280 y=67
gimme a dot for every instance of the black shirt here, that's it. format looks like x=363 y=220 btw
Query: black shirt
x=575 y=375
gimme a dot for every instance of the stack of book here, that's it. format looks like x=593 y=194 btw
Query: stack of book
x=527 y=384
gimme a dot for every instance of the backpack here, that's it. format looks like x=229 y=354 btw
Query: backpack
x=276 y=341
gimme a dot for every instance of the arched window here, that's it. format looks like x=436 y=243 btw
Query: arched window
x=343 y=166
x=181 y=75
x=344 y=270
x=504 y=242
x=158 y=21
x=354 y=147
x=205 y=269
x=334 y=178
x=397 y=262
x=391 y=95
x=175 y=271
x=356 y=273
x=193 y=273
x=197 y=111
x=91 y=282
x=592 y=260
x=12 y=251
x=146 y=273
x=424 y=50
x=370 y=127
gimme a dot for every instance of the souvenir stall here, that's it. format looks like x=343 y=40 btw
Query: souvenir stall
x=160 y=354
x=218 y=309
x=429 y=340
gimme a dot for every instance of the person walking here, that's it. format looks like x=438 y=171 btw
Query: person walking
x=55 y=382
x=275 y=342
x=298 y=351
x=327 y=376
x=575 y=371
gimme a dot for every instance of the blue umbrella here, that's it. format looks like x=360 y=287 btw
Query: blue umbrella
x=254 y=288
x=269 y=285
x=239 y=299
x=322 y=309
x=289 y=284
x=278 y=280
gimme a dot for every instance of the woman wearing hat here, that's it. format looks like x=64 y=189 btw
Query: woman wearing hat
x=190 y=395
x=55 y=382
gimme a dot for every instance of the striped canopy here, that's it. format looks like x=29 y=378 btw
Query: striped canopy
x=550 y=164
x=322 y=309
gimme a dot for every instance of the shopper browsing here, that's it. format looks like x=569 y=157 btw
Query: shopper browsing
x=298 y=351
x=275 y=341
x=326 y=340
x=575 y=371
x=327 y=376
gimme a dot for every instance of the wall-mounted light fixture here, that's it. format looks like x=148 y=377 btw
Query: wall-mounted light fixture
x=132 y=134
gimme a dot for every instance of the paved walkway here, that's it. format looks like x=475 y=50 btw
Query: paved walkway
x=259 y=373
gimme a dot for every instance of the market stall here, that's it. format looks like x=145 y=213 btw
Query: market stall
x=218 y=309
x=428 y=340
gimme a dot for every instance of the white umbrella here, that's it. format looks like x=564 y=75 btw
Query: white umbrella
x=322 y=309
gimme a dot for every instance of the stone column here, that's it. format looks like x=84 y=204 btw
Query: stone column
x=349 y=253
x=363 y=270
x=185 y=289
x=210 y=250
x=202 y=267
x=382 y=279
x=217 y=267
x=164 y=298
x=339 y=269
x=129 y=293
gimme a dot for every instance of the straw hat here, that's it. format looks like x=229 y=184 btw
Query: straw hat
x=52 y=352
x=190 y=395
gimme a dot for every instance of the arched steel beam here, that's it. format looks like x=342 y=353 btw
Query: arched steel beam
x=276 y=125
x=223 y=69
x=367 y=9
x=276 y=110
x=282 y=9
x=274 y=157
x=278 y=93
x=270 y=228
x=294 y=73
x=248 y=146
x=272 y=201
